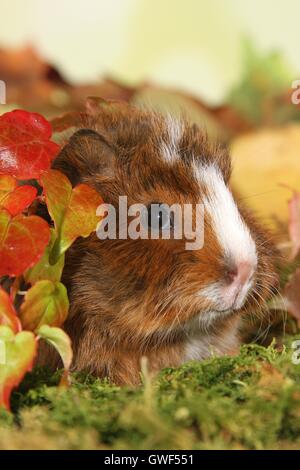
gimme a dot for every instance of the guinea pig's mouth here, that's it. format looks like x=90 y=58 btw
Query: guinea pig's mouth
x=225 y=301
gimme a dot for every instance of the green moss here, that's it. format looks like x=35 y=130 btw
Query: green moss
x=251 y=401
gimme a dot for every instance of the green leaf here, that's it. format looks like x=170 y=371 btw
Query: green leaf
x=43 y=270
x=62 y=343
x=46 y=303
x=18 y=353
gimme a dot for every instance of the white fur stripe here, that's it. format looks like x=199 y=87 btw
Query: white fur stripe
x=169 y=150
x=232 y=233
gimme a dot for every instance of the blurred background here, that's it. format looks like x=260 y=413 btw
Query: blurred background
x=192 y=44
x=226 y=64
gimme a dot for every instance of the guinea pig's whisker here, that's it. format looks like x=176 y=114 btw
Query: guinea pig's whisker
x=258 y=293
x=260 y=332
x=263 y=335
x=259 y=305
x=264 y=308
x=255 y=195
x=284 y=313
x=270 y=289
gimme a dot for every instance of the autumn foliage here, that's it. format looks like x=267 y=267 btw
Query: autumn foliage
x=32 y=251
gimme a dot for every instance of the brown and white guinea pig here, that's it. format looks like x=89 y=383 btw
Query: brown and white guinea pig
x=154 y=298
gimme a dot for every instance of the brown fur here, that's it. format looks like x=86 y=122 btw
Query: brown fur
x=134 y=298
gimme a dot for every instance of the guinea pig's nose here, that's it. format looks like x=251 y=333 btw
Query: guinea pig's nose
x=239 y=272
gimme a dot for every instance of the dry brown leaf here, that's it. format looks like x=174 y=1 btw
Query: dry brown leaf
x=20 y=65
x=266 y=164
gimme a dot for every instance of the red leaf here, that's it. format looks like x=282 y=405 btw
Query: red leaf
x=292 y=294
x=22 y=242
x=25 y=146
x=8 y=315
x=20 y=198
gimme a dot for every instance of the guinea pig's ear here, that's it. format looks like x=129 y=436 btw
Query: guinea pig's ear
x=86 y=154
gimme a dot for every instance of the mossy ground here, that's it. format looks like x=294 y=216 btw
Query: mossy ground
x=251 y=401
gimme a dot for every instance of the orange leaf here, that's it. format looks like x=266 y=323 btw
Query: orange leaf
x=72 y=210
x=22 y=242
x=7 y=184
x=8 y=315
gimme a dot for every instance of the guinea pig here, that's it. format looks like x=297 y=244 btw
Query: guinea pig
x=153 y=298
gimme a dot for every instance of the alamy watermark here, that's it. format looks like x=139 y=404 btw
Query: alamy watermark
x=296 y=353
x=296 y=93
x=155 y=221
x=2 y=92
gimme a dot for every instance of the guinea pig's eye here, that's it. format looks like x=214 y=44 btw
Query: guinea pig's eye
x=159 y=217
